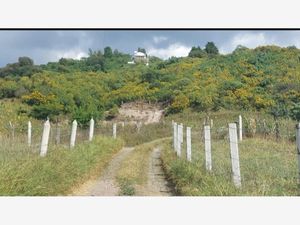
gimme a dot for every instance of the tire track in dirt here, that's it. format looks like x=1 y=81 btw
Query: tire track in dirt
x=157 y=181
x=157 y=184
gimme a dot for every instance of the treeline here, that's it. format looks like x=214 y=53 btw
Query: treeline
x=266 y=78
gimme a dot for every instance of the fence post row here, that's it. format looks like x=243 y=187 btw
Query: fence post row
x=45 y=138
x=175 y=136
x=188 y=144
x=114 y=130
x=298 y=148
x=29 y=134
x=91 y=132
x=207 y=144
x=234 y=155
x=240 y=128
x=73 y=134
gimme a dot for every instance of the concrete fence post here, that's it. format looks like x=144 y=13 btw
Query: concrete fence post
x=91 y=131
x=188 y=144
x=115 y=130
x=181 y=133
x=29 y=134
x=175 y=136
x=207 y=144
x=234 y=154
x=298 y=149
x=178 y=140
x=45 y=139
x=240 y=128
x=73 y=134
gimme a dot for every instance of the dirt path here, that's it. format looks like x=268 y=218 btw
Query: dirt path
x=157 y=184
x=106 y=184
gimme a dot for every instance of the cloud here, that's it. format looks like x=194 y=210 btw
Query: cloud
x=250 y=40
x=176 y=49
x=159 y=39
x=71 y=53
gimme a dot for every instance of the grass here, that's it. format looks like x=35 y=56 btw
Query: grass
x=133 y=172
x=27 y=174
x=268 y=168
x=126 y=187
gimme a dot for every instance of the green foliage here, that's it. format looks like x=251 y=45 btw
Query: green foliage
x=211 y=48
x=112 y=113
x=25 y=61
x=295 y=112
x=126 y=187
x=46 y=110
x=150 y=76
x=24 y=67
x=179 y=103
x=197 y=52
x=265 y=79
x=108 y=52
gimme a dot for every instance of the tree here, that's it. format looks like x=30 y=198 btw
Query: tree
x=24 y=67
x=95 y=61
x=25 y=61
x=180 y=102
x=108 y=52
x=142 y=50
x=196 y=52
x=150 y=76
x=211 y=48
x=239 y=49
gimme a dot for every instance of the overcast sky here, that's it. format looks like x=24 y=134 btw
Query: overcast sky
x=45 y=46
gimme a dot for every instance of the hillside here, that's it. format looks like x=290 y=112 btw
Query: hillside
x=265 y=79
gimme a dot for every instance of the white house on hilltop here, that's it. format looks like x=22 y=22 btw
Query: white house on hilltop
x=139 y=57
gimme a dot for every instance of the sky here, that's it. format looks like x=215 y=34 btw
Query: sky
x=49 y=45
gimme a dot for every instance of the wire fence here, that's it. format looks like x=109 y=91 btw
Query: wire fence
x=265 y=157
x=15 y=140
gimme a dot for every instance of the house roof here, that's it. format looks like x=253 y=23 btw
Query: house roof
x=139 y=54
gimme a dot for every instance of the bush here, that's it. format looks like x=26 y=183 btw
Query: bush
x=112 y=113
x=179 y=103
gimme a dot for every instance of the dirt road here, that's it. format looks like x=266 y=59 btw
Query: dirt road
x=106 y=184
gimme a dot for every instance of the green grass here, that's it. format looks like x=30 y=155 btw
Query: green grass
x=267 y=169
x=27 y=174
x=126 y=187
